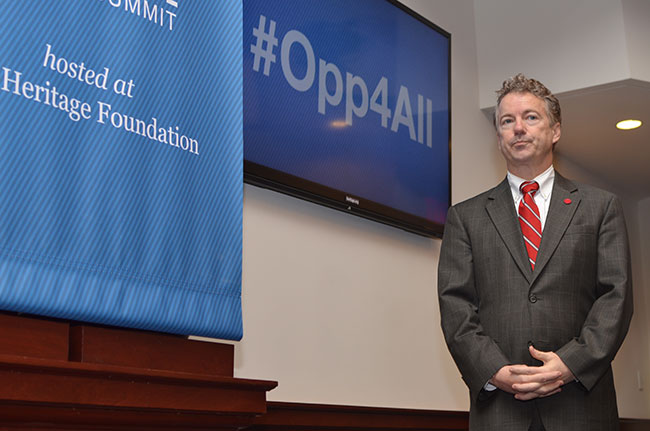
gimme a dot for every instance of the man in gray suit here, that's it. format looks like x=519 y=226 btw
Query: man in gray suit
x=534 y=283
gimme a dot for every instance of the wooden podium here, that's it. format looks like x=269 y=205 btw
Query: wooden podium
x=56 y=375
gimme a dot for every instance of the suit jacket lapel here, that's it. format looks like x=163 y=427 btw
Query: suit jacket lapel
x=557 y=220
x=501 y=209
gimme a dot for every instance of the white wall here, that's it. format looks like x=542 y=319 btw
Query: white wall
x=633 y=360
x=565 y=44
x=643 y=299
x=343 y=310
x=636 y=14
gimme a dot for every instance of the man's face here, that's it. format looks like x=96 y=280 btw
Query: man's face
x=524 y=132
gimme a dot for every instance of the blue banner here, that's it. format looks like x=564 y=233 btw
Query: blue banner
x=121 y=162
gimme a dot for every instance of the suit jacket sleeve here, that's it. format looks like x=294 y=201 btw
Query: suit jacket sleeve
x=589 y=355
x=477 y=355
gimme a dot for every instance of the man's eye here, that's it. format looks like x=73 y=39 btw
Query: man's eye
x=532 y=117
x=506 y=121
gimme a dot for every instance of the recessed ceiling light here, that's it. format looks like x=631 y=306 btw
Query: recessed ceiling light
x=628 y=124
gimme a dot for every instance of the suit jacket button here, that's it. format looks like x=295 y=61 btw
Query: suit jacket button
x=532 y=298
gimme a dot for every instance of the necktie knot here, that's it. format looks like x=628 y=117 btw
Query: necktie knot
x=529 y=186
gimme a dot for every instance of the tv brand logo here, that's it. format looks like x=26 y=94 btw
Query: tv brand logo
x=402 y=115
x=352 y=200
x=152 y=11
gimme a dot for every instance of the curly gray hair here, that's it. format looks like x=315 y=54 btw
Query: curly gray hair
x=520 y=84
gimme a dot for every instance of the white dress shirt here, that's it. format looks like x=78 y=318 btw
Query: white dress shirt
x=543 y=195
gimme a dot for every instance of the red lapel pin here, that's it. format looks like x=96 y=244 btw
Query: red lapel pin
x=567 y=201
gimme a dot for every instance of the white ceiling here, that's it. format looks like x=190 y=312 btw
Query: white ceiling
x=591 y=140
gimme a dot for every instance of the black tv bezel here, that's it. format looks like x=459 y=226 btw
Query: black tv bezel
x=279 y=181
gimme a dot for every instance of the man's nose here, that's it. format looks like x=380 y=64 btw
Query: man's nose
x=519 y=126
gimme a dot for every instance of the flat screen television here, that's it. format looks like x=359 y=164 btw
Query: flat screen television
x=347 y=104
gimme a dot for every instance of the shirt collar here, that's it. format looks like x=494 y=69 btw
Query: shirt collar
x=545 y=181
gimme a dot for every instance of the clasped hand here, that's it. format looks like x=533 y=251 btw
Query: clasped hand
x=527 y=383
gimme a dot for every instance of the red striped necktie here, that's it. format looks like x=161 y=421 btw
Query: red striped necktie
x=531 y=223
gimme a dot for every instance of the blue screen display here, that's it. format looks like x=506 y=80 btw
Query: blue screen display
x=353 y=95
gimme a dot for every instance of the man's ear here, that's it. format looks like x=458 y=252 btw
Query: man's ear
x=557 y=132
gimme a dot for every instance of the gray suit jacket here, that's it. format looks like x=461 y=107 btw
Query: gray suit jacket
x=577 y=302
